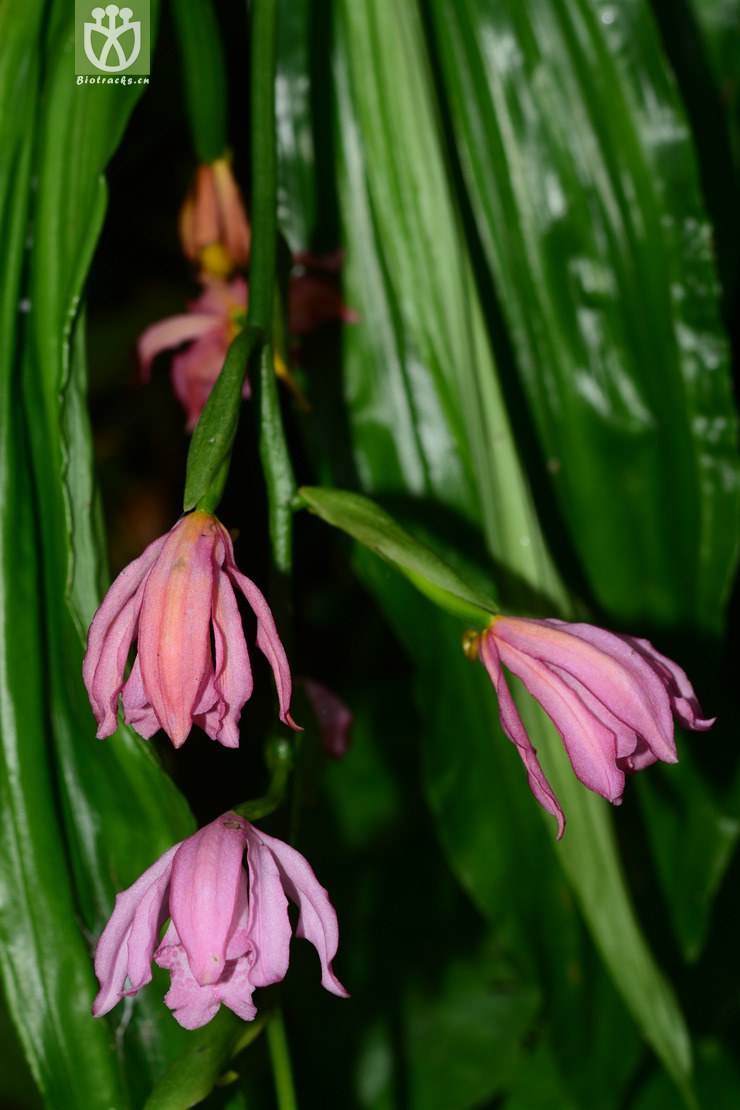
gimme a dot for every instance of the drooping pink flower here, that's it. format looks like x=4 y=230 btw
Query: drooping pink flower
x=611 y=697
x=334 y=717
x=175 y=600
x=214 y=229
x=229 y=931
x=208 y=327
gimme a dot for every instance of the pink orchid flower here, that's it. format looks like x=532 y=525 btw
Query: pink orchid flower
x=175 y=600
x=229 y=931
x=611 y=697
x=214 y=229
x=208 y=327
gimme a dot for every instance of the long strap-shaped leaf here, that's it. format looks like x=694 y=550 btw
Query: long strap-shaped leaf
x=583 y=182
x=43 y=954
x=388 y=103
x=119 y=810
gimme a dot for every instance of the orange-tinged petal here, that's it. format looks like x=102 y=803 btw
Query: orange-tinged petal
x=174 y=636
x=214 y=229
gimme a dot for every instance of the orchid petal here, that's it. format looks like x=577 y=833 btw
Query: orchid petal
x=317 y=921
x=195 y=370
x=640 y=758
x=193 y=1005
x=590 y=745
x=125 y=588
x=234 y=223
x=174 y=643
x=683 y=700
x=626 y=739
x=233 y=674
x=172 y=332
x=608 y=666
x=235 y=987
x=204 y=893
x=240 y=942
x=221 y=298
x=199 y=214
x=268 y=640
x=612 y=697
x=112 y=954
x=513 y=726
x=107 y=680
x=268 y=925
x=137 y=710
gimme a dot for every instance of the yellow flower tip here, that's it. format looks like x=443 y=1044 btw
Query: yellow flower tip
x=215 y=262
x=194 y=524
x=470 y=642
x=222 y=167
x=214 y=229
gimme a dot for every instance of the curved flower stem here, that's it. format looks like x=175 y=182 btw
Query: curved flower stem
x=280 y=1057
x=280 y=759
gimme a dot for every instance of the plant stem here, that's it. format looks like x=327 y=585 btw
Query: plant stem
x=280 y=1057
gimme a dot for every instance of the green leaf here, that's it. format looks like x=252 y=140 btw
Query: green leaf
x=45 y=961
x=276 y=464
x=204 y=75
x=192 y=1076
x=294 y=91
x=106 y=810
x=702 y=40
x=590 y=859
x=693 y=839
x=422 y=312
x=464 y=1042
x=583 y=184
x=371 y=526
x=213 y=439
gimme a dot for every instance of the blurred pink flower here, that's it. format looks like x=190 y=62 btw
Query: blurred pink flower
x=611 y=697
x=214 y=229
x=211 y=323
x=313 y=298
x=229 y=931
x=334 y=717
x=175 y=600
x=214 y=319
